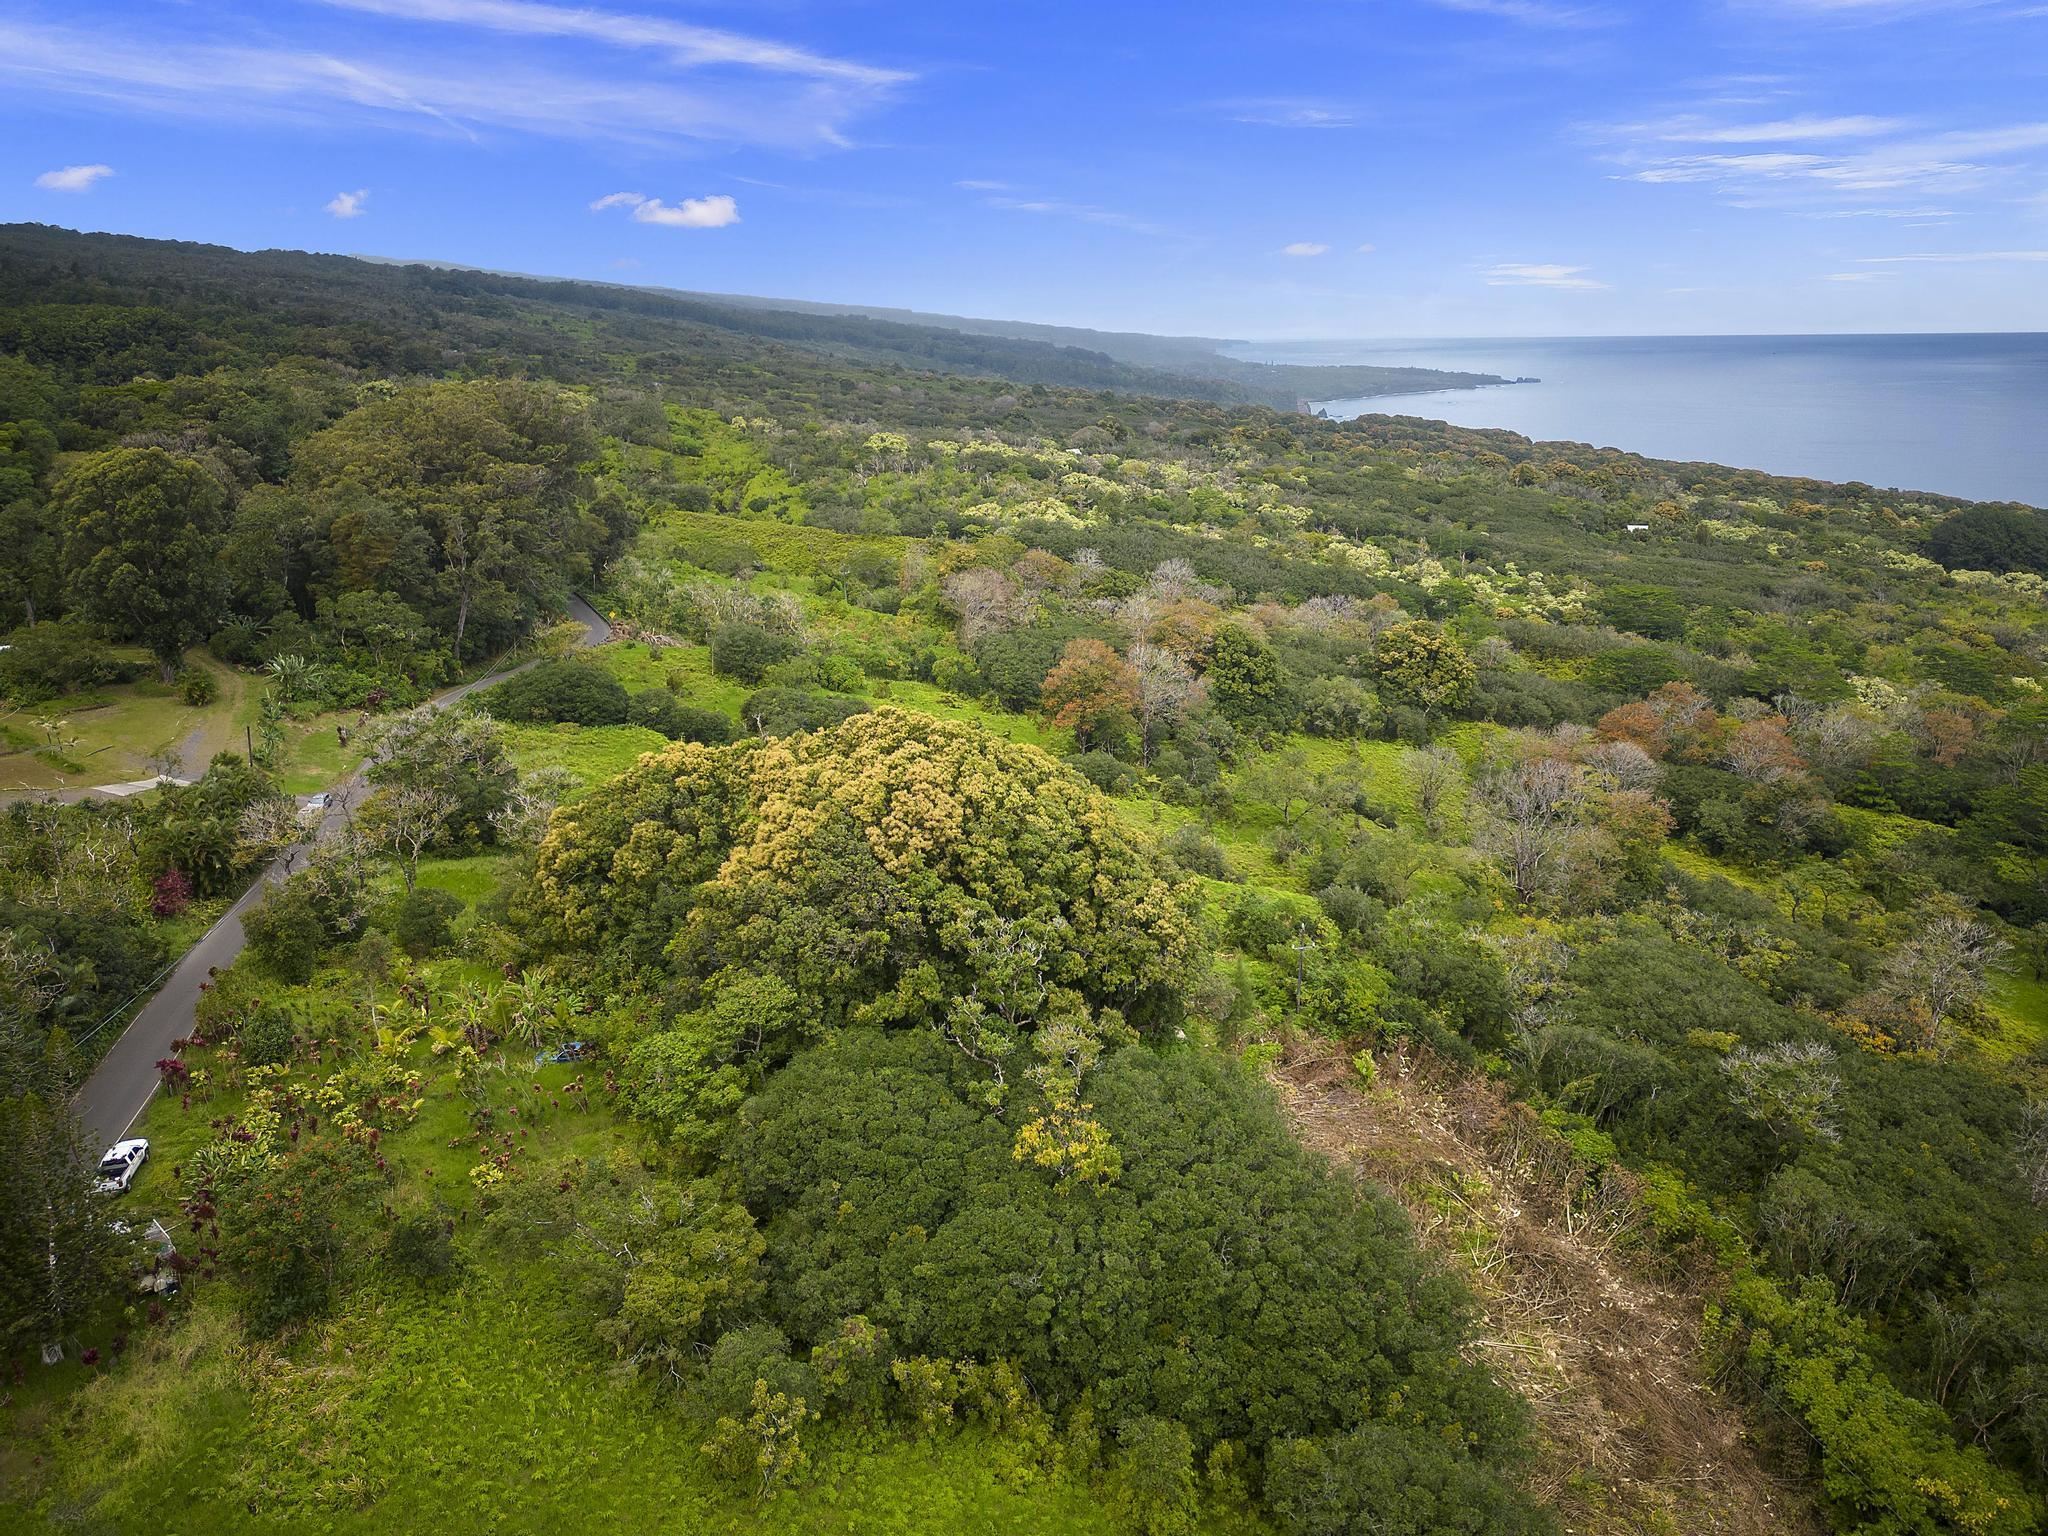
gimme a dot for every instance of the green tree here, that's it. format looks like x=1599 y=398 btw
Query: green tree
x=1421 y=665
x=1244 y=678
x=1093 y=692
x=31 y=563
x=59 y=1255
x=464 y=499
x=142 y=547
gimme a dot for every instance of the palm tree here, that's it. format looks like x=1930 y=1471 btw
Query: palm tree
x=293 y=676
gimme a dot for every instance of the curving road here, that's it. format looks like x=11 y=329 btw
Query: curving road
x=120 y=1088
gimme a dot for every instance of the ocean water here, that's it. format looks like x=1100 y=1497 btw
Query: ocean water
x=1958 y=415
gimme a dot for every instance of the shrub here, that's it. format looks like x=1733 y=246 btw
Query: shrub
x=1259 y=924
x=45 y=661
x=707 y=727
x=658 y=710
x=267 y=1037
x=169 y=894
x=1153 y=1480
x=1392 y=1480
x=285 y=932
x=784 y=711
x=841 y=674
x=747 y=651
x=424 y=921
x=422 y=1248
x=1352 y=910
x=575 y=692
x=1112 y=775
x=198 y=687
x=1197 y=852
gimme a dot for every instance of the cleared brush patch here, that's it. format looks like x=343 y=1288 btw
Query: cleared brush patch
x=1630 y=1436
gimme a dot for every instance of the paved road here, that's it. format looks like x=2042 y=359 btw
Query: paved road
x=120 y=1088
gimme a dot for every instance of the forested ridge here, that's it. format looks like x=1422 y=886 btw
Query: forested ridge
x=810 y=1062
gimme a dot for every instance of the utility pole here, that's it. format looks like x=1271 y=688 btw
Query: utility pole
x=1301 y=946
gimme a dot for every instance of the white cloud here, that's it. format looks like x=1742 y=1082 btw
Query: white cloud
x=1289 y=112
x=1942 y=164
x=688 y=46
x=983 y=186
x=1956 y=256
x=1535 y=13
x=1367 y=250
x=74 y=178
x=727 y=90
x=1854 y=277
x=1304 y=248
x=1519 y=274
x=348 y=205
x=1087 y=213
x=1785 y=130
x=714 y=212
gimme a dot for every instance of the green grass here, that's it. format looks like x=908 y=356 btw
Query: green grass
x=476 y=1410
x=1702 y=865
x=779 y=546
x=111 y=733
x=2018 y=1008
x=930 y=699
x=593 y=753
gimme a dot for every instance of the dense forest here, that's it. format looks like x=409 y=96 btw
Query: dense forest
x=1084 y=957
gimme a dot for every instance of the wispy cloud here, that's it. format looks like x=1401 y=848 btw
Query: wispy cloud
x=1955 y=256
x=1290 y=112
x=1854 y=277
x=1885 y=10
x=1691 y=129
x=713 y=212
x=1086 y=213
x=685 y=45
x=348 y=205
x=692 y=85
x=1534 y=13
x=1304 y=248
x=983 y=186
x=1825 y=160
x=74 y=178
x=1520 y=274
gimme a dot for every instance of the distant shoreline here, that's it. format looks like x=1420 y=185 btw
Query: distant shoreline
x=1949 y=415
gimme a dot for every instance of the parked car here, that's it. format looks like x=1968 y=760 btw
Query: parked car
x=314 y=810
x=120 y=1165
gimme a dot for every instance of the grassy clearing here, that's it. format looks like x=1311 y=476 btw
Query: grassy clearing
x=779 y=546
x=593 y=753
x=111 y=734
x=2018 y=1007
x=1704 y=866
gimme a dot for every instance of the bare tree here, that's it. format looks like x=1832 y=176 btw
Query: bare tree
x=1621 y=764
x=524 y=819
x=1789 y=1087
x=1436 y=773
x=2033 y=1153
x=407 y=820
x=1167 y=689
x=1939 y=971
x=1530 y=809
x=987 y=602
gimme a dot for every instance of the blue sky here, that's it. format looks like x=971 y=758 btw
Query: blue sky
x=1325 y=168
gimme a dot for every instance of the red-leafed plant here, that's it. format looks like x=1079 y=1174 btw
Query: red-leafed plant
x=170 y=894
